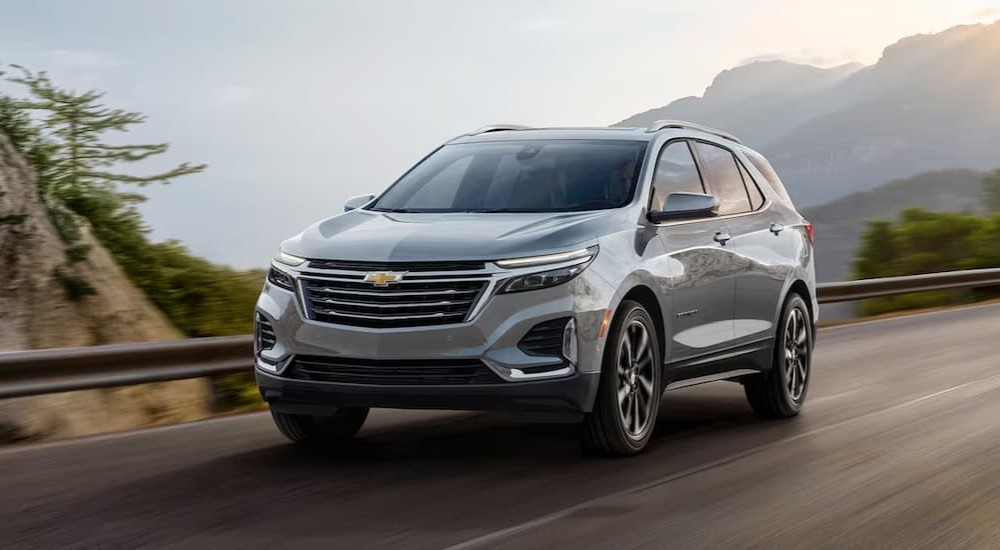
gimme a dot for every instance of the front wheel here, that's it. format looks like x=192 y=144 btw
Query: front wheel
x=628 y=395
x=320 y=430
x=780 y=392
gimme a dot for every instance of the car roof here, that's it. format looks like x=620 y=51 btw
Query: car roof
x=596 y=133
x=502 y=133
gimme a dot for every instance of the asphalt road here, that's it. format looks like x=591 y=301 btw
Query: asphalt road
x=898 y=447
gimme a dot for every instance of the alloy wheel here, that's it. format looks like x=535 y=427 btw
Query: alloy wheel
x=635 y=379
x=796 y=354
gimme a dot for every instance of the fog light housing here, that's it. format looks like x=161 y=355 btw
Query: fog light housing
x=569 y=342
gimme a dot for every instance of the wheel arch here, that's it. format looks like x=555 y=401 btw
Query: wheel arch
x=802 y=289
x=647 y=298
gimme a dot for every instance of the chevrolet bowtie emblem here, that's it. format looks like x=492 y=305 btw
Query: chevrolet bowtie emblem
x=382 y=278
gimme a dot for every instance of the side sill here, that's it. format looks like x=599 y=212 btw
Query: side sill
x=728 y=375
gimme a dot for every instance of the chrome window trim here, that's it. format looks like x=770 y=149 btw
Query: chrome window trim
x=768 y=200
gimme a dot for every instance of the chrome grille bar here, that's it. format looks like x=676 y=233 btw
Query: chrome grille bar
x=434 y=295
x=391 y=305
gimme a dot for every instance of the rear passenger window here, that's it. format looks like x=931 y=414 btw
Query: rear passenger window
x=766 y=170
x=756 y=198
x=676 y=172
x=722 y=175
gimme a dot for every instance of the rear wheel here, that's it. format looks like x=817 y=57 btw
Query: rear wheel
x=318 y=430
x=628 y=396
x=781 y=391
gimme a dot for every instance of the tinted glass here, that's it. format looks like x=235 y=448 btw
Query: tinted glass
x=520 y=176
x=676 y=172
x=722 y=174
x=442 y=188
x=766 y=170
x=756 y=198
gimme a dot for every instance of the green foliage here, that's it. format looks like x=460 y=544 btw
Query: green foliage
x=15 y=123
x=76 y=123
x=12 y=219
x=991 y=192
x=68 y=149
x=77 y=253
x=76 y=287
x=79 y=177
x=927 y=242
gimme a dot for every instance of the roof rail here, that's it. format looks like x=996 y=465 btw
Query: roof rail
x=497 y=128
x=664 y=124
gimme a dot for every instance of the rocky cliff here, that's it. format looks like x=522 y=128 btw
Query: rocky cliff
x=36 y=311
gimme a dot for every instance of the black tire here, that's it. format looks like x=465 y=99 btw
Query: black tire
x=604 y=428
x=775 y=393
x=320 y=430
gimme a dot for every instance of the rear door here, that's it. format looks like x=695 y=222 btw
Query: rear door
x=759 y=238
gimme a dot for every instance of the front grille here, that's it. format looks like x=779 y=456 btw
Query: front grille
x=544 y=338
x=439 y=298
x=396 y=266
x=264 y=333
x=430 y=372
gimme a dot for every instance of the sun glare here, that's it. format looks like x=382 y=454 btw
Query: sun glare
x=987 y=14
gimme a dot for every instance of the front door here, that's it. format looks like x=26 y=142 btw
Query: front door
x=701 y=264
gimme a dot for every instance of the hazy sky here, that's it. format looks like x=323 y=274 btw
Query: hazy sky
x=298 y=105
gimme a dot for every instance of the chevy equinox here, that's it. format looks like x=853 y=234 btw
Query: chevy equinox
x=566 y=274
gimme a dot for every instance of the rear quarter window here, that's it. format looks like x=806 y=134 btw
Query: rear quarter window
x=770 y=175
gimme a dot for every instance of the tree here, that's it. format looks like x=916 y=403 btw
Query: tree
x=926 y=242
x=991 y=192
x=79 y=178
x=76 y=124
x=876 y=256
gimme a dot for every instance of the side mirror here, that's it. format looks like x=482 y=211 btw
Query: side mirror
x=684 y=206
x=354 y=203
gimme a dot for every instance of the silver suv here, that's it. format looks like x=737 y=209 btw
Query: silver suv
x=566 y=274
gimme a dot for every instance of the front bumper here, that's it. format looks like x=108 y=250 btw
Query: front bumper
x=491 y=337
x=562 y=399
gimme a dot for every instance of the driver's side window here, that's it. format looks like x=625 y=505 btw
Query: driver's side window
x=676 y=172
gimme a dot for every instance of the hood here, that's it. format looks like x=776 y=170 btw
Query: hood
x=364 y=235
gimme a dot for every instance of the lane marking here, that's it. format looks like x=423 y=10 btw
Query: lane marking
x=500 y=534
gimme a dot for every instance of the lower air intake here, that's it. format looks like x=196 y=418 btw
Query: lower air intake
x=544 y=339
x=430 y=372
x=264 y=333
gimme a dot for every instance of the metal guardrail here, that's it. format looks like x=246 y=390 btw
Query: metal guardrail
x=37 y=372
x=850 y=291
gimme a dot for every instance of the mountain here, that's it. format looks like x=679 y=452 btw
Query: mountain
x=931 y=102
x=753 y=100
x=44 y=304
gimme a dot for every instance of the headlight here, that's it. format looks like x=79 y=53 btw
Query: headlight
x=288 y=259
x=545 y=279
x=280 y=279
x=553 y=277
x=584 y=254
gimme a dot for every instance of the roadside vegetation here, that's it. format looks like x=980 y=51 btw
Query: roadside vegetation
x=928 y=242
x=74 y=143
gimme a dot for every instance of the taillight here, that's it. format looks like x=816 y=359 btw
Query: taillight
x=809 y=229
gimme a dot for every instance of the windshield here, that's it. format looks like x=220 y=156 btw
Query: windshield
x=519 y=176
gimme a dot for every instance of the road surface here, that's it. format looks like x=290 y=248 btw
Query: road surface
x=898 y=447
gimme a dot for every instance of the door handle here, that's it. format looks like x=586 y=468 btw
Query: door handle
x=722 y=238
x=777 y=228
